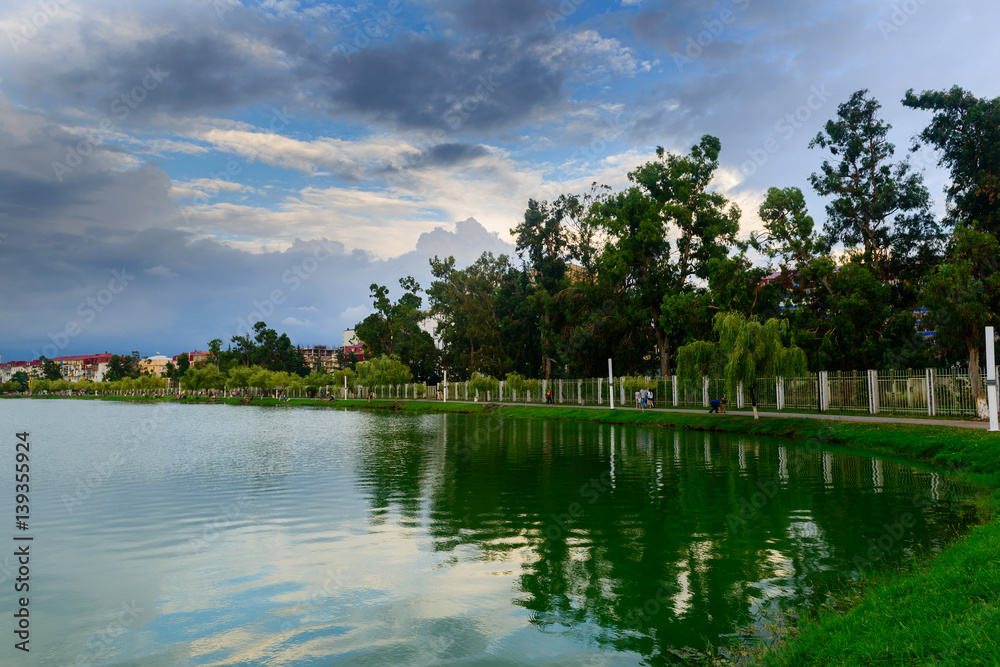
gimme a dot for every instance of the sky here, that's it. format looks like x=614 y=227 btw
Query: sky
x=172 y=172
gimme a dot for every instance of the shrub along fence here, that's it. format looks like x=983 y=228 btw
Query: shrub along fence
x=932 y=392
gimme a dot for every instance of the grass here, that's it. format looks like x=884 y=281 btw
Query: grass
x=939 y=610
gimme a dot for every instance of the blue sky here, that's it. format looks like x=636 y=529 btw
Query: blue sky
x=233 y=158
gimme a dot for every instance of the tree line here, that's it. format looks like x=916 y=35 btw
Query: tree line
x=636 y=274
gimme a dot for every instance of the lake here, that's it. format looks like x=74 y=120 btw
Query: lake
x=242 y=535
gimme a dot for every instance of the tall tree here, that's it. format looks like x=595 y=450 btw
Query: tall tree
x=541 y=238
x=961 y=295
x=666 y=230
x=966 y=130
x=394 y=328
x=881 y=205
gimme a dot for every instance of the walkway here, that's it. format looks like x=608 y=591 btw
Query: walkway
x=957 y=423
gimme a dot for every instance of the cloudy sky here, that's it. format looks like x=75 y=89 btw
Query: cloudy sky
x=171 y=170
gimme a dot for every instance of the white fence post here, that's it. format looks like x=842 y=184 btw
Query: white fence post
x=931 y=398
x=673 y=386
x=779 y=393
x=621 y=381
x=991 y=379
x=824 y=391
x=873 y=392
x=704 y=391
x=739 y=395
x=600 y=384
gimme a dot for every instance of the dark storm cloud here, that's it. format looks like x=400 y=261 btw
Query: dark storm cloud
x=433 y=84
x=445 y=155
x=411 y=80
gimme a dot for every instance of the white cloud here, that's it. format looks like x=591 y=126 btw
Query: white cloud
x=161 y=271
x=355 y=314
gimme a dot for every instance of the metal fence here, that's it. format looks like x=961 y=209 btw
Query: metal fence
x=945 y=392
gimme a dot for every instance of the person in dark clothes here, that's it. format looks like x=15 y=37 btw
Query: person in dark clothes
x=715 y=403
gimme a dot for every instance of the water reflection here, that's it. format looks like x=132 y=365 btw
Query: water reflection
x=645 y=540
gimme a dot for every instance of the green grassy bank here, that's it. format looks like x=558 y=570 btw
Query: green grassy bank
x=943 y=610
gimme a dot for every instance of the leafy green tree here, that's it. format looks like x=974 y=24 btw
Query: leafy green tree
x=960 y=296
x=483 y=384
x=384 y=370
x=966 y=130
x=50 y=369
x=882 y=206
x=215 y=352
x=122 y=366
x=542 y=239
x=519 y=384
x=789 y=236
x=239 y=377
x=206 y=377
x=665 y=231
x=394 y=329
x=22 y=380
x=347 y=360
x=268 y=349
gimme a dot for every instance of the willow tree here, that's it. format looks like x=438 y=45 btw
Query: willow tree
x=747 y=351
x=384 y=370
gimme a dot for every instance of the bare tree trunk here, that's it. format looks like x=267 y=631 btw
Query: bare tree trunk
x=976 y=382
x=663 y=346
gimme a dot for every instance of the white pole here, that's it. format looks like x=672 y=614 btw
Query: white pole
x=611 y=387
x=991 y=379
x=345 y=387
x=446 y=386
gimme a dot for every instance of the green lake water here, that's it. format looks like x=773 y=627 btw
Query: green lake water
x=238 y=535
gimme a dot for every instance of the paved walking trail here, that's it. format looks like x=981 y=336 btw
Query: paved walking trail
x=957 y=423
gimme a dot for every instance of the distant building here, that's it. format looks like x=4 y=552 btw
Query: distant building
x=320 y=355
x=155 y=365
x=79 y=367
x=194 y=357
